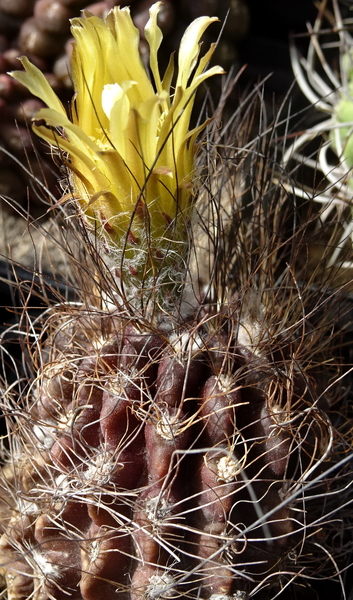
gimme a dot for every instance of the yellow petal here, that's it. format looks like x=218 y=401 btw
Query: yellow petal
x=128 y=55
x=205 y=75
x=154 y=38
x=81 y=161
x=205 y=60
x=95 y=46
x=167 y=79
x=123 y=181
x=186 y=103
x=131 y=156
x=118 y=122
x=112 y=93
x=149 y=113
x=34 y=80
x=189 y=48
x=75 y=133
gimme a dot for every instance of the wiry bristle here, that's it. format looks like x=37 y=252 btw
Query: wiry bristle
x=203 y=453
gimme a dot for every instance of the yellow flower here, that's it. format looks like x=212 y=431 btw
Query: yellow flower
x=128 y=145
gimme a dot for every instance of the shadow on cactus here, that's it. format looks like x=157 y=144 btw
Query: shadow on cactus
x=177 y=436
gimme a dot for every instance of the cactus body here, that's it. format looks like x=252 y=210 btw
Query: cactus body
x=150 y=465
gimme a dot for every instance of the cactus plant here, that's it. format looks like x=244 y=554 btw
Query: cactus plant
x=326 y=82
x=182 y=431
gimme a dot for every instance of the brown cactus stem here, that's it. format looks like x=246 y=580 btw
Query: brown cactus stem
x=75 y=516
x=50 y=410
x=218 y=406
x=216 y=495
x=86 y=410
x=131 y=468
x=82 y=433
x=91 y=367
x=109 y=356
x=19 y=578
x=64 y=454
x=215 y=502
x=265 y=546
x=107 y=513
x=268 y=458
x=282 y=522
x=219 y=466
x=163 y=440
x=178 y=379
x=140 y=359
x=221 y=352
x=138 y=372
x=150 y=582
x=217 y=576
x=55 y=394
x=118 y=423
x=60 y=386
x=218 y=471
x=277 y=440
x=105 y=564
x=61 y=557
x=155 y=538
x=146 y=344
x=19 y=571
x=149 y=515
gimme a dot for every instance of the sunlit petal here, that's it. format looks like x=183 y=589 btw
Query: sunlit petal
x=189 y=48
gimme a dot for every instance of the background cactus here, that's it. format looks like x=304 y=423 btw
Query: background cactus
x=202 y=452
x=326 y=81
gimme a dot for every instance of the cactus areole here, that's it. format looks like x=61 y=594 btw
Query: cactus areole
x=128 y=145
